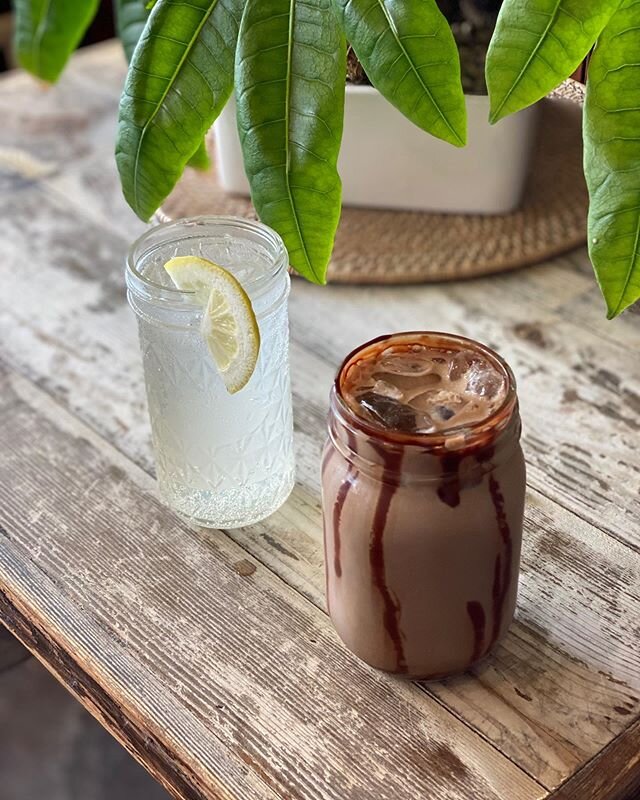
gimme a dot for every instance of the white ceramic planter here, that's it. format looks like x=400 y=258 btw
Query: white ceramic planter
x=387 y=162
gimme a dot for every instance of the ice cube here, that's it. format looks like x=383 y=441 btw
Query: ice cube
x=483 y=380
x=386 y=389
x=460 y=364
x=434 y=397
x=441 y=405
x=391 y=413
x=415 y=363
x=408 y=382
x=425 y=401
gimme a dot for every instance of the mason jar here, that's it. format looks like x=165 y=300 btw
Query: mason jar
x=222 y=460
x=422 y=531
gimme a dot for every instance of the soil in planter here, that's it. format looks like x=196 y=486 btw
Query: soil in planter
x=472 y=23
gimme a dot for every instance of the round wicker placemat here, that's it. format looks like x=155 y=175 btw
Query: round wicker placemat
x=377 y=246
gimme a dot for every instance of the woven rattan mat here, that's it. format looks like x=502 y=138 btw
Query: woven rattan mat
x=374 y=246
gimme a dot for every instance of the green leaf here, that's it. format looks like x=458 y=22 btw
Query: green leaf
x=536 y=45
x=180 y=77
x=612 y=158
x=290 y=83
x=409 y=53
x=131 y=16
x=48 y=31
x=200 y=159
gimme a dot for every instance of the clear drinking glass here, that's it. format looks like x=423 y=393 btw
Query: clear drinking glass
x=222 y=460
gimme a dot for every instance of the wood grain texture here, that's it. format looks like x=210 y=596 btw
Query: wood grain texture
x=560 y=694
x=205 y=642
x=614 y=773
x=99 y=381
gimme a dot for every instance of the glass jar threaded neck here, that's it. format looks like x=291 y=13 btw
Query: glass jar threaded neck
x=425 y=456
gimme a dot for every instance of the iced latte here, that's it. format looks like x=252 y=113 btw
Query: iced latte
x=423 y=485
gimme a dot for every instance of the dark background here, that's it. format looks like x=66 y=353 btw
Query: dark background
x=51 y=748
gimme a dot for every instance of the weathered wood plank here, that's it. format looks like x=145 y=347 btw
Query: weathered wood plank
x=67 y=133
x=59 y=125
x=185 y=642
x=102 y=382
x=66 y=306
x=35 y=628
x=614 y=773
x=566 y=286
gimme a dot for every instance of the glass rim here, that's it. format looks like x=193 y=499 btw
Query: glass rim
x=141 y=246
x=472 y=432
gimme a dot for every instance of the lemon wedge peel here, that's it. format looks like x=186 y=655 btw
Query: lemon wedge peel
x=229 y=325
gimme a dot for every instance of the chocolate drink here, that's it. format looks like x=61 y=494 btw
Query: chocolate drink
x=423 y=483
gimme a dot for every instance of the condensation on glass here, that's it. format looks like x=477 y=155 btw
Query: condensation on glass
x=222 y=460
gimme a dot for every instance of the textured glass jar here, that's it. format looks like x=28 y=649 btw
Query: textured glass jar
x=222 y=460
x=423 y=531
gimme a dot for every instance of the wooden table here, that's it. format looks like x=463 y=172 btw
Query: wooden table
x=209 y=655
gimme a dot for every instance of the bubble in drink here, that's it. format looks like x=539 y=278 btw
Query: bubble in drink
x=417 y=388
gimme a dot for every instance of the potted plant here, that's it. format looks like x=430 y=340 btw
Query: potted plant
x=287 y=60
x=417 y=172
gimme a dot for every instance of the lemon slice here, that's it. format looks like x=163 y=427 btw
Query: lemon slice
x=229 y=324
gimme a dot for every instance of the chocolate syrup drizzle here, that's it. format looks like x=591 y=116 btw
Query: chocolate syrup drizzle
x=449 y=492
x=391 y=615
x=500 y=584
x=343 y=491
x=341 y=496
x=326 y=564
x=325 y=461
x=449 y=489
x=501 y=580
x=477 y=617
